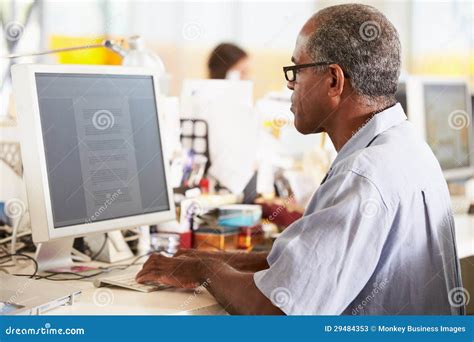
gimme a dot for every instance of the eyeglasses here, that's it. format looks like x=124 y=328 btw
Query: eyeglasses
x=291 y=71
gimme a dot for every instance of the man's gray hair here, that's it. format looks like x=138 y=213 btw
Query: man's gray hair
x=364 y=43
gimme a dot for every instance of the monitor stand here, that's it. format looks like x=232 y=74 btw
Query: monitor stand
x=58 y=255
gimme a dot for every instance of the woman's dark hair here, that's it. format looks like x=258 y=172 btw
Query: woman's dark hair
x=222 y=58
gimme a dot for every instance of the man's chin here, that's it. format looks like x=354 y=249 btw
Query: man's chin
x=306 y=130
x=300 y=129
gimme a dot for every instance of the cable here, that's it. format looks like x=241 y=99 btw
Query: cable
x=79 y=276
x=24 y=256
x=4 y=250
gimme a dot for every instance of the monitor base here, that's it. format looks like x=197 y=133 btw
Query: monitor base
x=55 y=254
x=114 y=250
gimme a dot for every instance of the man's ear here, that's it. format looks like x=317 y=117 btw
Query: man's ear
x=337 y=80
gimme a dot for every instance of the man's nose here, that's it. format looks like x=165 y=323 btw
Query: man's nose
x=290 y=85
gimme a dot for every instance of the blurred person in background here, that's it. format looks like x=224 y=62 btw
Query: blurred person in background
x=228 y=61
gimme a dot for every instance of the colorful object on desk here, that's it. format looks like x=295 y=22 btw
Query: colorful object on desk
x=239 y=215
x=4 y=218
x=195 y=137
x=281 y=212
x=168 y=243
x=194 y=169
x=250 y=236
x=84 y=56
x=229 y=227
x=216 y=241
x=204 y=186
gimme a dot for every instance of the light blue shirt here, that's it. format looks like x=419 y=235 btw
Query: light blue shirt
x=377 y=237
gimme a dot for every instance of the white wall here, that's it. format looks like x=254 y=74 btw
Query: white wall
x=424 y=26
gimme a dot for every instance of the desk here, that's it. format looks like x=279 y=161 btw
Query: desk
x=118 y=301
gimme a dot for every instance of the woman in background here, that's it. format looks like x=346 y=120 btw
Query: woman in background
x=228 y=61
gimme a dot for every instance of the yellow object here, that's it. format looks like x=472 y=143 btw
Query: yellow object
x=87 y=56
x=215 y=241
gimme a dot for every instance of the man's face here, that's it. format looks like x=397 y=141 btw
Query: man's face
x=309 y=101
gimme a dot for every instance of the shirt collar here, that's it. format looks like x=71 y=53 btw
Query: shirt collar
x=378 y=124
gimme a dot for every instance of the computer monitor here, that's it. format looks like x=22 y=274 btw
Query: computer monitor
x=441 y=109
x=401 y=96
x=92 y=153
x=227 y=107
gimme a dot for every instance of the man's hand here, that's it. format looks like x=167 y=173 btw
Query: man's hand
x=234 y=290
x=180 y=271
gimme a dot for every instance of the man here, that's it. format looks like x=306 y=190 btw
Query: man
x=378 y=235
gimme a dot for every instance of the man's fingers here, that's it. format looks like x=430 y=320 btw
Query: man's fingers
x=151 y=260
x=148 y=269
x=150 y=277
x=155 y=264
x=141 y=273
x=155 y=260
x=159 y=266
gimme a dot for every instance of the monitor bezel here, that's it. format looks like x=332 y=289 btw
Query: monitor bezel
x=417 y=114
x=34 y=158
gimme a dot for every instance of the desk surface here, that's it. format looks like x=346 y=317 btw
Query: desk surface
x=119 y=301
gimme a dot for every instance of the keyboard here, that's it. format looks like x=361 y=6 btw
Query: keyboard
x=128 y=281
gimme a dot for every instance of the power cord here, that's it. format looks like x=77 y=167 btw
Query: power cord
x=10 y=256
x=79 y=276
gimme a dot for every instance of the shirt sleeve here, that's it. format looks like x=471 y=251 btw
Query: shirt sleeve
x=322 y=261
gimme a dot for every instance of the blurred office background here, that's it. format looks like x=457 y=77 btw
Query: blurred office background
x=437 y=36
x=437 y=41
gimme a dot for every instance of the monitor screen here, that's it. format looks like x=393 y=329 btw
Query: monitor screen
x=401 y=96
x=102 y=146
x=448 y=123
